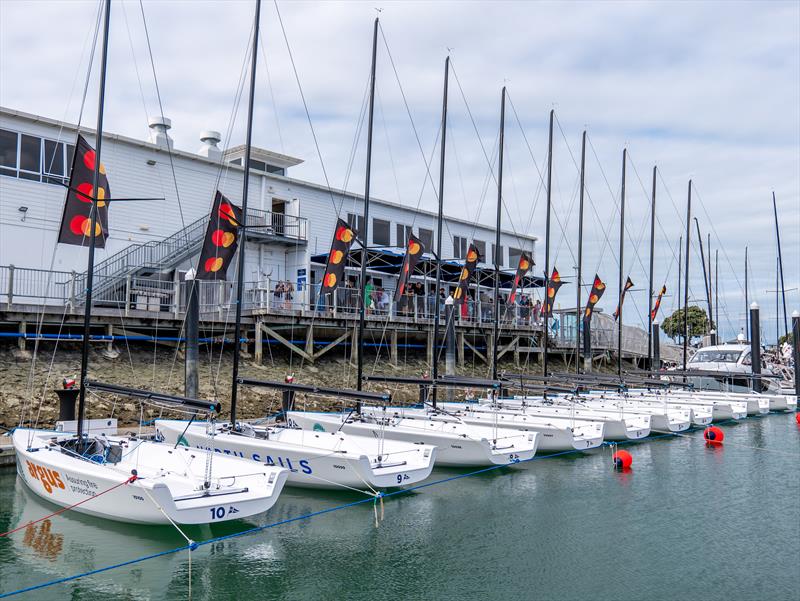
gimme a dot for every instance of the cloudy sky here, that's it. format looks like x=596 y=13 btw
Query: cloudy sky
x=705 y=90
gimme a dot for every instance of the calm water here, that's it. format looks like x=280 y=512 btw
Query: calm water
x=688 y=522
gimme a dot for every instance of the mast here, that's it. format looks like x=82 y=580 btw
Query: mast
x=746 y=296
x=578 y=320
x=711 y=296
x=496 y=324
x=706 y=283
x=547 y=237
x=237 y=342
x=87 y=313
x=686 y=279
x=650 y=284
x=716 y=292
x=780 y=264
x=680 y=270
x=621 y=262
x=435 y=370
x=364 y=236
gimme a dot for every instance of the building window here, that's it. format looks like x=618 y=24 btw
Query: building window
x=276 y=170
x=497 y=255
x=426 y=237
x=380 y=232
x=236 y=161
x=481 y=246
x=257 y=165
x=33 y=158
x=356 y=222
x=459 y=247
x=403 y=233
x=513 y=256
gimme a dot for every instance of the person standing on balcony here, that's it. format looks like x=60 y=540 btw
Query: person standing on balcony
x=369 y=303
x=288 y=295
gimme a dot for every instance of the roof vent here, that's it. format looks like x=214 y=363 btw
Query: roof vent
x=158 y=131
x=210 y=139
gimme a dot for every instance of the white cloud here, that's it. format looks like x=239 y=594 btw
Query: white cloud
x=707 y=90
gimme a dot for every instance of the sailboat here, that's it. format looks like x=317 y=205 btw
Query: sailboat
x=458 y=443
x=123 y=478
x=314 y=458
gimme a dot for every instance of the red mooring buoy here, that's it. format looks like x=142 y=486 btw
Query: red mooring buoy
x=797 y=418
x=622 y=460
x=714 y=434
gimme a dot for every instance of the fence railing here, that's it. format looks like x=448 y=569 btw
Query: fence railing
x=132 y=295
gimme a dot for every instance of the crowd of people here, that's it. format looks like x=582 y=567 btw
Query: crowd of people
x=421 y=300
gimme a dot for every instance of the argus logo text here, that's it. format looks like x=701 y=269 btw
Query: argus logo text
x=50 y=479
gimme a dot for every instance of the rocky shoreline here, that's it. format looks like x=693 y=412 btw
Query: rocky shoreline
x=27 y=386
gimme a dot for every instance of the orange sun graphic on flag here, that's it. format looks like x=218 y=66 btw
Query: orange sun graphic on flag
x=472 y=256
x=336 y=256
x=344 y=234
x=330 y=280
x=222 y=238
x=213 y=264
x=413 y=248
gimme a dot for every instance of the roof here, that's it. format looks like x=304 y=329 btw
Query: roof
x=389 y=260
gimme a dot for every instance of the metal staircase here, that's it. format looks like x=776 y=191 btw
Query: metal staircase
x=161 y=256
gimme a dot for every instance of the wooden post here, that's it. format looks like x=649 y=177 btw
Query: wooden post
x=516 y=352
x=259 y=348
x=430 y=348
x=393 y=357
x=176 y=295
x=110 y=341
x=310 y=342
x=460 y=348
x=23 y=326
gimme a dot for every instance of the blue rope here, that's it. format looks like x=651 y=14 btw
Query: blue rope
x=306 y=516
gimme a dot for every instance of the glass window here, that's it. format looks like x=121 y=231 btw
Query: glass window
x=8 y=148
x=403 y=232
x=258 y=165
x=513 y=256
x=276 y=170
x=30 y=157
x=356 y=222
x=236 y=161
x=747 y=360
x=380 y=232
x=459 y=247
x=426 y=237
x=481 y=249
x=54 y=161
x=711 y=356
x=497 y=255
x=70 y=154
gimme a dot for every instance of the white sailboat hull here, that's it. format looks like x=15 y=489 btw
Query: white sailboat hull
x=458 y=444
x=315 y=459
x=171 y=479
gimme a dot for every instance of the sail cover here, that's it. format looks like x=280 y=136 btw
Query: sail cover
x=471 y=262
x=221 y=241
x=598 y=288
x=525 y=264
x=661 y=294
x=76 y=222
x=414 y=251
x=553 y=284
x=628 y=286
x=334 y=269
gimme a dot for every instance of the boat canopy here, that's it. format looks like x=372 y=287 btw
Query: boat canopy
x=389 y=260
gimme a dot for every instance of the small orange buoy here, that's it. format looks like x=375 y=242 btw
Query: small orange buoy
x=714 y=434
x=622 y=460
x=797 y=418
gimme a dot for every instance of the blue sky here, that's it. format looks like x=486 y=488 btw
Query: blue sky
x=706 y=90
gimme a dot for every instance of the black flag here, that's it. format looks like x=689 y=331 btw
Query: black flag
x=414 y=252
x=470 y=263
x=76 y=223
x=221 y=241
x=340 y=247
